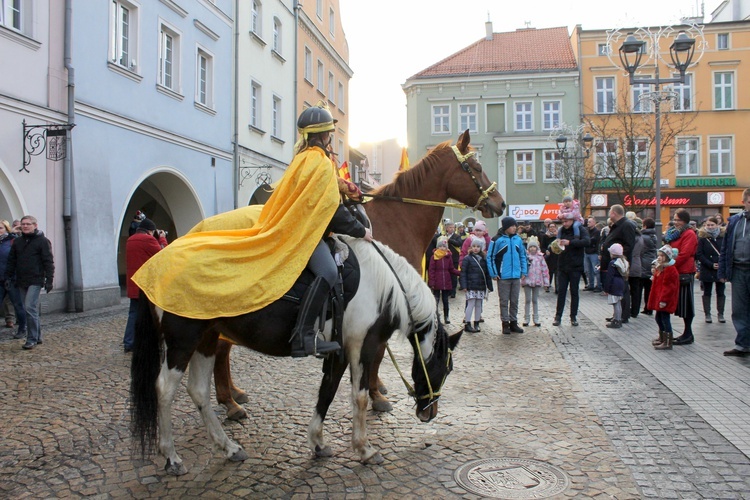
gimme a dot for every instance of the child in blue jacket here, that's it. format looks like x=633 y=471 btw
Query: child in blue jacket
x=506 y=262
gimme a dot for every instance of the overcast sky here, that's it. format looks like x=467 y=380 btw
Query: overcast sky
x=391 y=40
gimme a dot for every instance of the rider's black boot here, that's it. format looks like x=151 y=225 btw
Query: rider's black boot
x=306 y=339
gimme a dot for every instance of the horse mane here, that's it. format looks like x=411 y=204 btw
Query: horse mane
x=406 y=182
x=420 y=297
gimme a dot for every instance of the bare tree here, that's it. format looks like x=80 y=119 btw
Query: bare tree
x=570 y=166
x=624 y=154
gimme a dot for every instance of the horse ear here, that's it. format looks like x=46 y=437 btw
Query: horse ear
x=463 y=142
x=453 y=339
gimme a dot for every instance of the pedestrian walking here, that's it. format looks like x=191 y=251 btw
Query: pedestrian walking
x=476 y=282
x=710 y=239
x=734 y=266
x=570 y=268
x=536 y=278
x=440 y=276
x=614 y=283
x=506 y=261
x=11 y=292
x=32 y=266
x=664 y=295
x=682 y=237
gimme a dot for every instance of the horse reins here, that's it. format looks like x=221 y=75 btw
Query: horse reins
x=409 y=388
x=463 y=161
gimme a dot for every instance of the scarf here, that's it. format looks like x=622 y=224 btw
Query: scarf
x=673 y=233
x=440 y=253
x=713 y=233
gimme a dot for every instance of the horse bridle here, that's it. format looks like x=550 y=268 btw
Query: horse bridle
x=463 y=160
x=432 y=395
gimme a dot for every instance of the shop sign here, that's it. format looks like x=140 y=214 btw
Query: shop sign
x=534 y=212
x=688 y=182
x=666 y=200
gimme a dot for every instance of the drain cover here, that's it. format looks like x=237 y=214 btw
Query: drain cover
x=511 y=478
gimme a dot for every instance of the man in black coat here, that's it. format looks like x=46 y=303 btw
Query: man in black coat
x=591 y=259
x=31 y=265
x=570 y=268
x=623 y=232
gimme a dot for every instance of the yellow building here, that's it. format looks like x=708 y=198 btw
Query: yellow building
x=705 y=124
x=323 y=65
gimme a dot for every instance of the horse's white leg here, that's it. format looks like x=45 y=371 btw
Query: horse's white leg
x=199 y=389
x=166 y=385
x=367 y=454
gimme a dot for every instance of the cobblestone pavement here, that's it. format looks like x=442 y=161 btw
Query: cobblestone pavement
x=586 y=400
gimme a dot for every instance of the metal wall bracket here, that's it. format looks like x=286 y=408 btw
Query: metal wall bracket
x=37 y=138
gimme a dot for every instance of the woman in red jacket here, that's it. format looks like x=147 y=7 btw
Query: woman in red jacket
x=683 y=238
x=663 y=296
x=439 y=277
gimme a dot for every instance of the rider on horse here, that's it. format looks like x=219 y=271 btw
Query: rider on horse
x=315 y=125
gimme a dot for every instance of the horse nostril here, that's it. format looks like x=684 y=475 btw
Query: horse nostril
x=503 y=205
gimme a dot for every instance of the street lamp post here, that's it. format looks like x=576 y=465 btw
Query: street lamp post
x=582 y=145
x=681 y=52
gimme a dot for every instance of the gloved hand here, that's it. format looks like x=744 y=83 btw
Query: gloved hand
x=48 y=287
x=8 y=284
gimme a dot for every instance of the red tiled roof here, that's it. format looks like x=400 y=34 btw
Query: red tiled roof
x=519 y=51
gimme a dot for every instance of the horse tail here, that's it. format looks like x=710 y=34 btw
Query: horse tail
x=144 y=370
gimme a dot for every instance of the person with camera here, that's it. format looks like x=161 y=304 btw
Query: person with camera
x=32 y=266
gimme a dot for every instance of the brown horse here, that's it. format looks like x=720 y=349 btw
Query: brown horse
x=446 y=172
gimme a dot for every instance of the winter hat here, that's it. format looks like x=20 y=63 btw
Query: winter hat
x=508 y=222
x=533 y=241
x=442 y=242
x=478 y=242
x=480 y=225
x=669 y=252
x=630 y=215
x=567 y=194
x=147 y=224
x=616 y=249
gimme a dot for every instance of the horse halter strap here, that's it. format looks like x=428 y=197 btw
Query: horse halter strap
x=463 y=160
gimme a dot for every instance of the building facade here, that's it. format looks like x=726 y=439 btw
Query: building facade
x=512 y=91
x=704 y=139
x=323 y=71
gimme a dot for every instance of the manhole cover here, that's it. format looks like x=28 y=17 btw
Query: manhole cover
x=511 y=478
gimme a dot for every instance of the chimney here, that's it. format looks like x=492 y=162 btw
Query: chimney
x=488 y=28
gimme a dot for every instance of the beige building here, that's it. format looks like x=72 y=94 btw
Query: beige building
x=323 y=65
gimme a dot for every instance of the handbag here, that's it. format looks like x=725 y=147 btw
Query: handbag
x=686 y=278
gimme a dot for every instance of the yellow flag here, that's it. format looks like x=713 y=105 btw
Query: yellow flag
x=404 y=160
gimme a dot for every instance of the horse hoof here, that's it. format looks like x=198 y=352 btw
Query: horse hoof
x=382 y=388
x=376 y=459
x=239 y=456
x=241 y=398
x=382 y=405
x=175 y=469
x=237 y=415
x=323 y=452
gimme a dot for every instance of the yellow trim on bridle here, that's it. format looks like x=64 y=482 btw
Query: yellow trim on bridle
x=409 y=388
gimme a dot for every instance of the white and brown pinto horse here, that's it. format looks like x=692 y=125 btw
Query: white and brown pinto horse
x=447 y=172
x=391 y=296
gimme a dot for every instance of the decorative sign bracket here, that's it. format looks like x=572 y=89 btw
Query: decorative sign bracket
x=37 y=138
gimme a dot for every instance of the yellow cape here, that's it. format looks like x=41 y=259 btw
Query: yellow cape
x=223 y=267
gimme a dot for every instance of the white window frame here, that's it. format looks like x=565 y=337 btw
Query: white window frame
x=641 y=154
x=321 y=76
x=168 y=75
x=551 y=118
x=13 y=12
x=685 y=92
x=719 y=154
x=277 y=38
x=308 y=64
x=204 y=83
x=602 y=49
x=725 y=89
x=525 y=161
x=607 y=94
x=276 y=115
x=467 y=117
x=552 y=165
x=523 y=115
x=341 y=96
x=332 y=22
x=604 y=150
x=124 y=45
x=722 y=37
x=256 y=17
x=256 y=104
x=636 y=90
x=331 y=87
x=341 y=157
x=441 y=119
x=688 y=153
x=319 y=9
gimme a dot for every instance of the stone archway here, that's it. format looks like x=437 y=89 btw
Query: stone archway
x=167 y=198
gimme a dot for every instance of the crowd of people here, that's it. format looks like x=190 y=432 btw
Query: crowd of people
x=619 y=258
